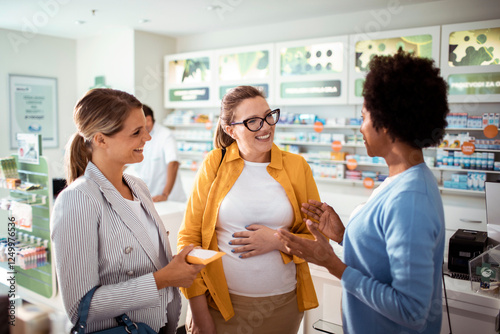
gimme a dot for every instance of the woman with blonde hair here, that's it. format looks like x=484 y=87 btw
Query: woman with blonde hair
x=244 y=191
x=105 y=229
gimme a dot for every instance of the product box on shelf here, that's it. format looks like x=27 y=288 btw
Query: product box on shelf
x=337 y=156
x=491 y=119
x=474 y=122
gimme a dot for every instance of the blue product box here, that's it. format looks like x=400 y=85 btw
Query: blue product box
x=355 y=121
x=448 y=184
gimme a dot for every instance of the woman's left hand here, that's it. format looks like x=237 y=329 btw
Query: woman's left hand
x=257 y=240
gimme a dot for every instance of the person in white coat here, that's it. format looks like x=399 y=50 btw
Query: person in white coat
x=161 y=163
x=104 y=227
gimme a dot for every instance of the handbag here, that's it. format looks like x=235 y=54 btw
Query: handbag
x=125 y=325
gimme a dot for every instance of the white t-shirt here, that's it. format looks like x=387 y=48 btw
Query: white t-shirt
x=255 y=198
x=148 y=224
x=158 y=153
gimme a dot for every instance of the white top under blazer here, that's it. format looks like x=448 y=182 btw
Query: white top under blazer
x=98 y=240
x=255 y=198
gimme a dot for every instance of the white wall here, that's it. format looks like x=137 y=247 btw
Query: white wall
x=149 y=51
x=398 y=15
x=39 y=55
x=110 y=54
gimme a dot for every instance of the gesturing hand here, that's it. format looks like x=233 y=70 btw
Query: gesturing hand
x=318 y=251
x=257 y=240
x=329 y=221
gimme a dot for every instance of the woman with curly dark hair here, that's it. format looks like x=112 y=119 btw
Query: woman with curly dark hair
x=394 y=243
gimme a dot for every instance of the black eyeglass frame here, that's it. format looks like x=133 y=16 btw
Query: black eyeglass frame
x=277 y=110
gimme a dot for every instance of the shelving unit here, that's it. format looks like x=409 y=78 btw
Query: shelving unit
x=40 y=280
x=349 y=147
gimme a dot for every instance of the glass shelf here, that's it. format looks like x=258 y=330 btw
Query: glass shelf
x=311 y=126
x=308 y=143
x=451 y=169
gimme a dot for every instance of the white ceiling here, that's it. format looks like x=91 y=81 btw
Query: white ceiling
x=167 y=17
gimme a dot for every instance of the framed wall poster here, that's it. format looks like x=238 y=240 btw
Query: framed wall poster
x=470 y=61
x=312 y=72
x=189 y=80
x=422 y=42
x=250 y=65
x=33 y=108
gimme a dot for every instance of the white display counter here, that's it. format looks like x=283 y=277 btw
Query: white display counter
x=470 y=312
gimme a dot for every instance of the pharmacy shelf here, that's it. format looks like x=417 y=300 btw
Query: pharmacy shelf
x=462 y=191
x=311 y=126
x=192 y=154
x=464 y=129
x=190 y=125
x=451 y=169
x=342 y=181
x=343 y=162
x=194 y=139
x=308 y=143
x=460 y=149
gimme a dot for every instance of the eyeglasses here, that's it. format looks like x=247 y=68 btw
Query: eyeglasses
x=254 y=124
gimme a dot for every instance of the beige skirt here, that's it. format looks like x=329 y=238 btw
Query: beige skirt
x=261 y=315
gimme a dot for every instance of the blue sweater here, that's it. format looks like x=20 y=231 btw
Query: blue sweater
x=393 y=248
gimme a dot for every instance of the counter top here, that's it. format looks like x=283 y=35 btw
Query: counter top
x=458 y=291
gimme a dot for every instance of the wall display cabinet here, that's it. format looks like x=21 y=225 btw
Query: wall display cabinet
x=29 y=203
x=423 y=42
x=194 y=141
x=189 y=80
x=312 y=72
x=327 y=73
x=251 y=65
x=470 y=61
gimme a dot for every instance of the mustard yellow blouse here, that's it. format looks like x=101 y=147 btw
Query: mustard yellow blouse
x=212 y=184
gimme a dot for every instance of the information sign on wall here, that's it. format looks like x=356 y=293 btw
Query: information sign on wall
x=312 y=72
x=324 y=58
x=244 y=66
x=33 y=108
x=191 y=70
x=419 y=45
x=422 y=42
x=189 y=80
x=471 y=61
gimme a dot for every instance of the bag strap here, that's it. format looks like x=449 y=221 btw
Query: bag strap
x=83 y=312
x=222 y=158
x=223 y=154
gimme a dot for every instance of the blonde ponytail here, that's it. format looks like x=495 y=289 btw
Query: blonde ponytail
x=221 y=138
x=77 y=157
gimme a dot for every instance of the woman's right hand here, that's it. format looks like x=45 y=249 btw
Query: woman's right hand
x=178 y=272
x=201 y=320
x=329 y=221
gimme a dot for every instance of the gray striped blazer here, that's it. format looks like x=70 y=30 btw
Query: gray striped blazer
x=98 y=240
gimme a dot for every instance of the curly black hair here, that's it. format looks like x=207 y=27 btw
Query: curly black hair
x=406 y=95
